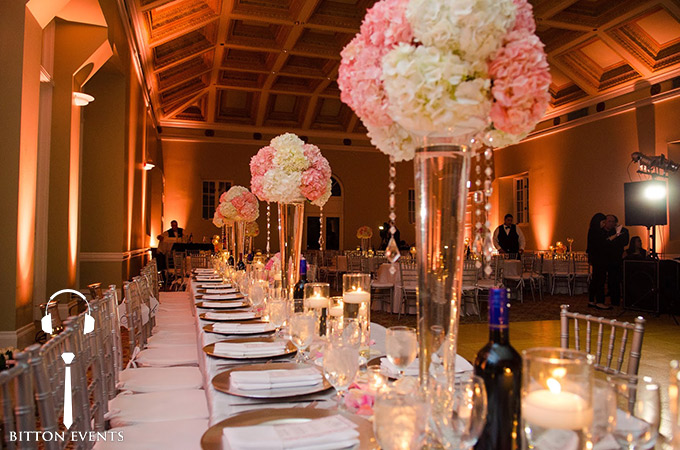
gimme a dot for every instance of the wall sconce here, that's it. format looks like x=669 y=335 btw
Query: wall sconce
x=149 y=165
x=82 y=99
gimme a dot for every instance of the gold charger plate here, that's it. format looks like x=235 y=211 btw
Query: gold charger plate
x=222 y=382
x=289 y=349
x=236 y=297
x=209 y=328
x=227 y=319
x=212 y=438
x=224 y=304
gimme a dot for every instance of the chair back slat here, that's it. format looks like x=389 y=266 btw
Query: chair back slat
x=610 y=349
x=619 y=334
x=18 y=406
x=622 y=350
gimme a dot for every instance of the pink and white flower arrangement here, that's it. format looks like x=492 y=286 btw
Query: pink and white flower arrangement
x=238 y=203
x=364 y=232
x=218 y=220
x=288 y=170
x=473 y=69
x=252 y=229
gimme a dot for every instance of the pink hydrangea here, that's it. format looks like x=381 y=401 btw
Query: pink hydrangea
x=262 y=161
x=247 y=206
x=360 y=72
x=223 y=197
x=521 y=79
x=257 y=187
x=314 y=184
x=276 y=259
x=524 y=17
x=316 y=160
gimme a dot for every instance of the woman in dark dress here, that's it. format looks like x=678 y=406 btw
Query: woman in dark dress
x=635 y=250
x=596 y=259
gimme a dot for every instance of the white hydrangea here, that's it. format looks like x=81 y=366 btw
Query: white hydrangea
x=289 y=153
x=474 y=28
x=431 y=90
x=324 y=198
x=281 y=186
x=394 y=141
x=218 y=221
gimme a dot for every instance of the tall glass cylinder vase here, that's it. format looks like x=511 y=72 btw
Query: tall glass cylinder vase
x=441 y=174
x=229 y=243
x=291 y=225
x=240 y=232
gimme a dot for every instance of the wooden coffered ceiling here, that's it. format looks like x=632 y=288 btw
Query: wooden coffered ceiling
x=241 y=67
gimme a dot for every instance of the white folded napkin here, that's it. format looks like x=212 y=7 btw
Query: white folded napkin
x=607 y=443
x=275 y=379
x=230 y=316
x=221 y=296
x=462 y=365
x=219 y=304
x=204 y=270
x=250 y=348
x=222 y=291
x=333 y=432
x=204 y=278
x=242 y=327
x=215 y=285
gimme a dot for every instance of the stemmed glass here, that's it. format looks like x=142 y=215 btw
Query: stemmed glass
x=402 y=347
x=301 y=329
x=257 y=293
x=278 y=311
x=458 y=415
x=638 y=415
x=340 y=365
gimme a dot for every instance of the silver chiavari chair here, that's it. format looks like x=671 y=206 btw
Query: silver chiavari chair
x=409 y=286
x=18 y=407
x=617 y=348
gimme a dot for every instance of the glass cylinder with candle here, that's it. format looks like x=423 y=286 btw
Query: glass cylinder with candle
x=557 y=404
x=356 y=299
x=316 y=300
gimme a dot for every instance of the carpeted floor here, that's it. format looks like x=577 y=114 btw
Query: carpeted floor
x=546 y=309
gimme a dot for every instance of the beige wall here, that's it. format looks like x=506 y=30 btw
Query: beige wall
x=363 y=176
x=580 y=171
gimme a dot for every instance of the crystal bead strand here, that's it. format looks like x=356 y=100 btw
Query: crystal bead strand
x=392 y=251
x=488 y=190
x=269 y=213
x=321 y=241
x=478 y=200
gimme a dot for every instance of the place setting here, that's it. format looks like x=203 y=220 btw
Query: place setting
x=250 y=348
x=241 y=328
x=227 y=316
x=222 y=304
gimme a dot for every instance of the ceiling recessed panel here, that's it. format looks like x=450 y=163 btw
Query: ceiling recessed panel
x=174 y=18
x=185 y=46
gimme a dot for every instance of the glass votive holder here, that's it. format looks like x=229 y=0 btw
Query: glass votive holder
x=399 y=418
x=356 y=297
x=374 y=379
x=557 y=403
x=316 y=300
x=674 y=402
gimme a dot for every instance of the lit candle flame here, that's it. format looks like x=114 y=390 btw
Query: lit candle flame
x=554 y=386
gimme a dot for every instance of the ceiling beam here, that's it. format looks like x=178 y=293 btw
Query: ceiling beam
x=631 y=59
x=574 y=76
x=218 y=57
x=549 y=8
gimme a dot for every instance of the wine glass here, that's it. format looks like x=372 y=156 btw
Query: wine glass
x=301 y=329
x=402 y=347
x=398 y=417
x=340 y=365
x=278 y=311
x=638 y=415
x=257 y=293
x=458 y=414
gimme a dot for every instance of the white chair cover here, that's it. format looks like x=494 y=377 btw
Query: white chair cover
x=184 y=355
x=178 y=434
x=152 y=379
x=172 y=339
x=132 y=409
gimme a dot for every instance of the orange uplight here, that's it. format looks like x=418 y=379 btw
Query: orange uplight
x=73 y=194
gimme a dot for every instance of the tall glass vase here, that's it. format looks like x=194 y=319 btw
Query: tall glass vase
x=291 y=225
x=229 y=242
x=441 y=171
x=240 y=232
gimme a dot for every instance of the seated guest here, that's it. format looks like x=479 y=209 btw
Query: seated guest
x=635 y=250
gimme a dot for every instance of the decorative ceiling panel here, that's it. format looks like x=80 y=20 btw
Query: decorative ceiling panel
x=272 y=64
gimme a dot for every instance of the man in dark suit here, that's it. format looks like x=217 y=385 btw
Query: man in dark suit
x=507 y=238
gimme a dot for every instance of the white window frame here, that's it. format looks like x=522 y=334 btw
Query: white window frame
x=218 y=187
x=520 y=186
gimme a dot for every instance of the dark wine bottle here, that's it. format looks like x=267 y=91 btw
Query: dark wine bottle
x=500 y=366
x=299 y=289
